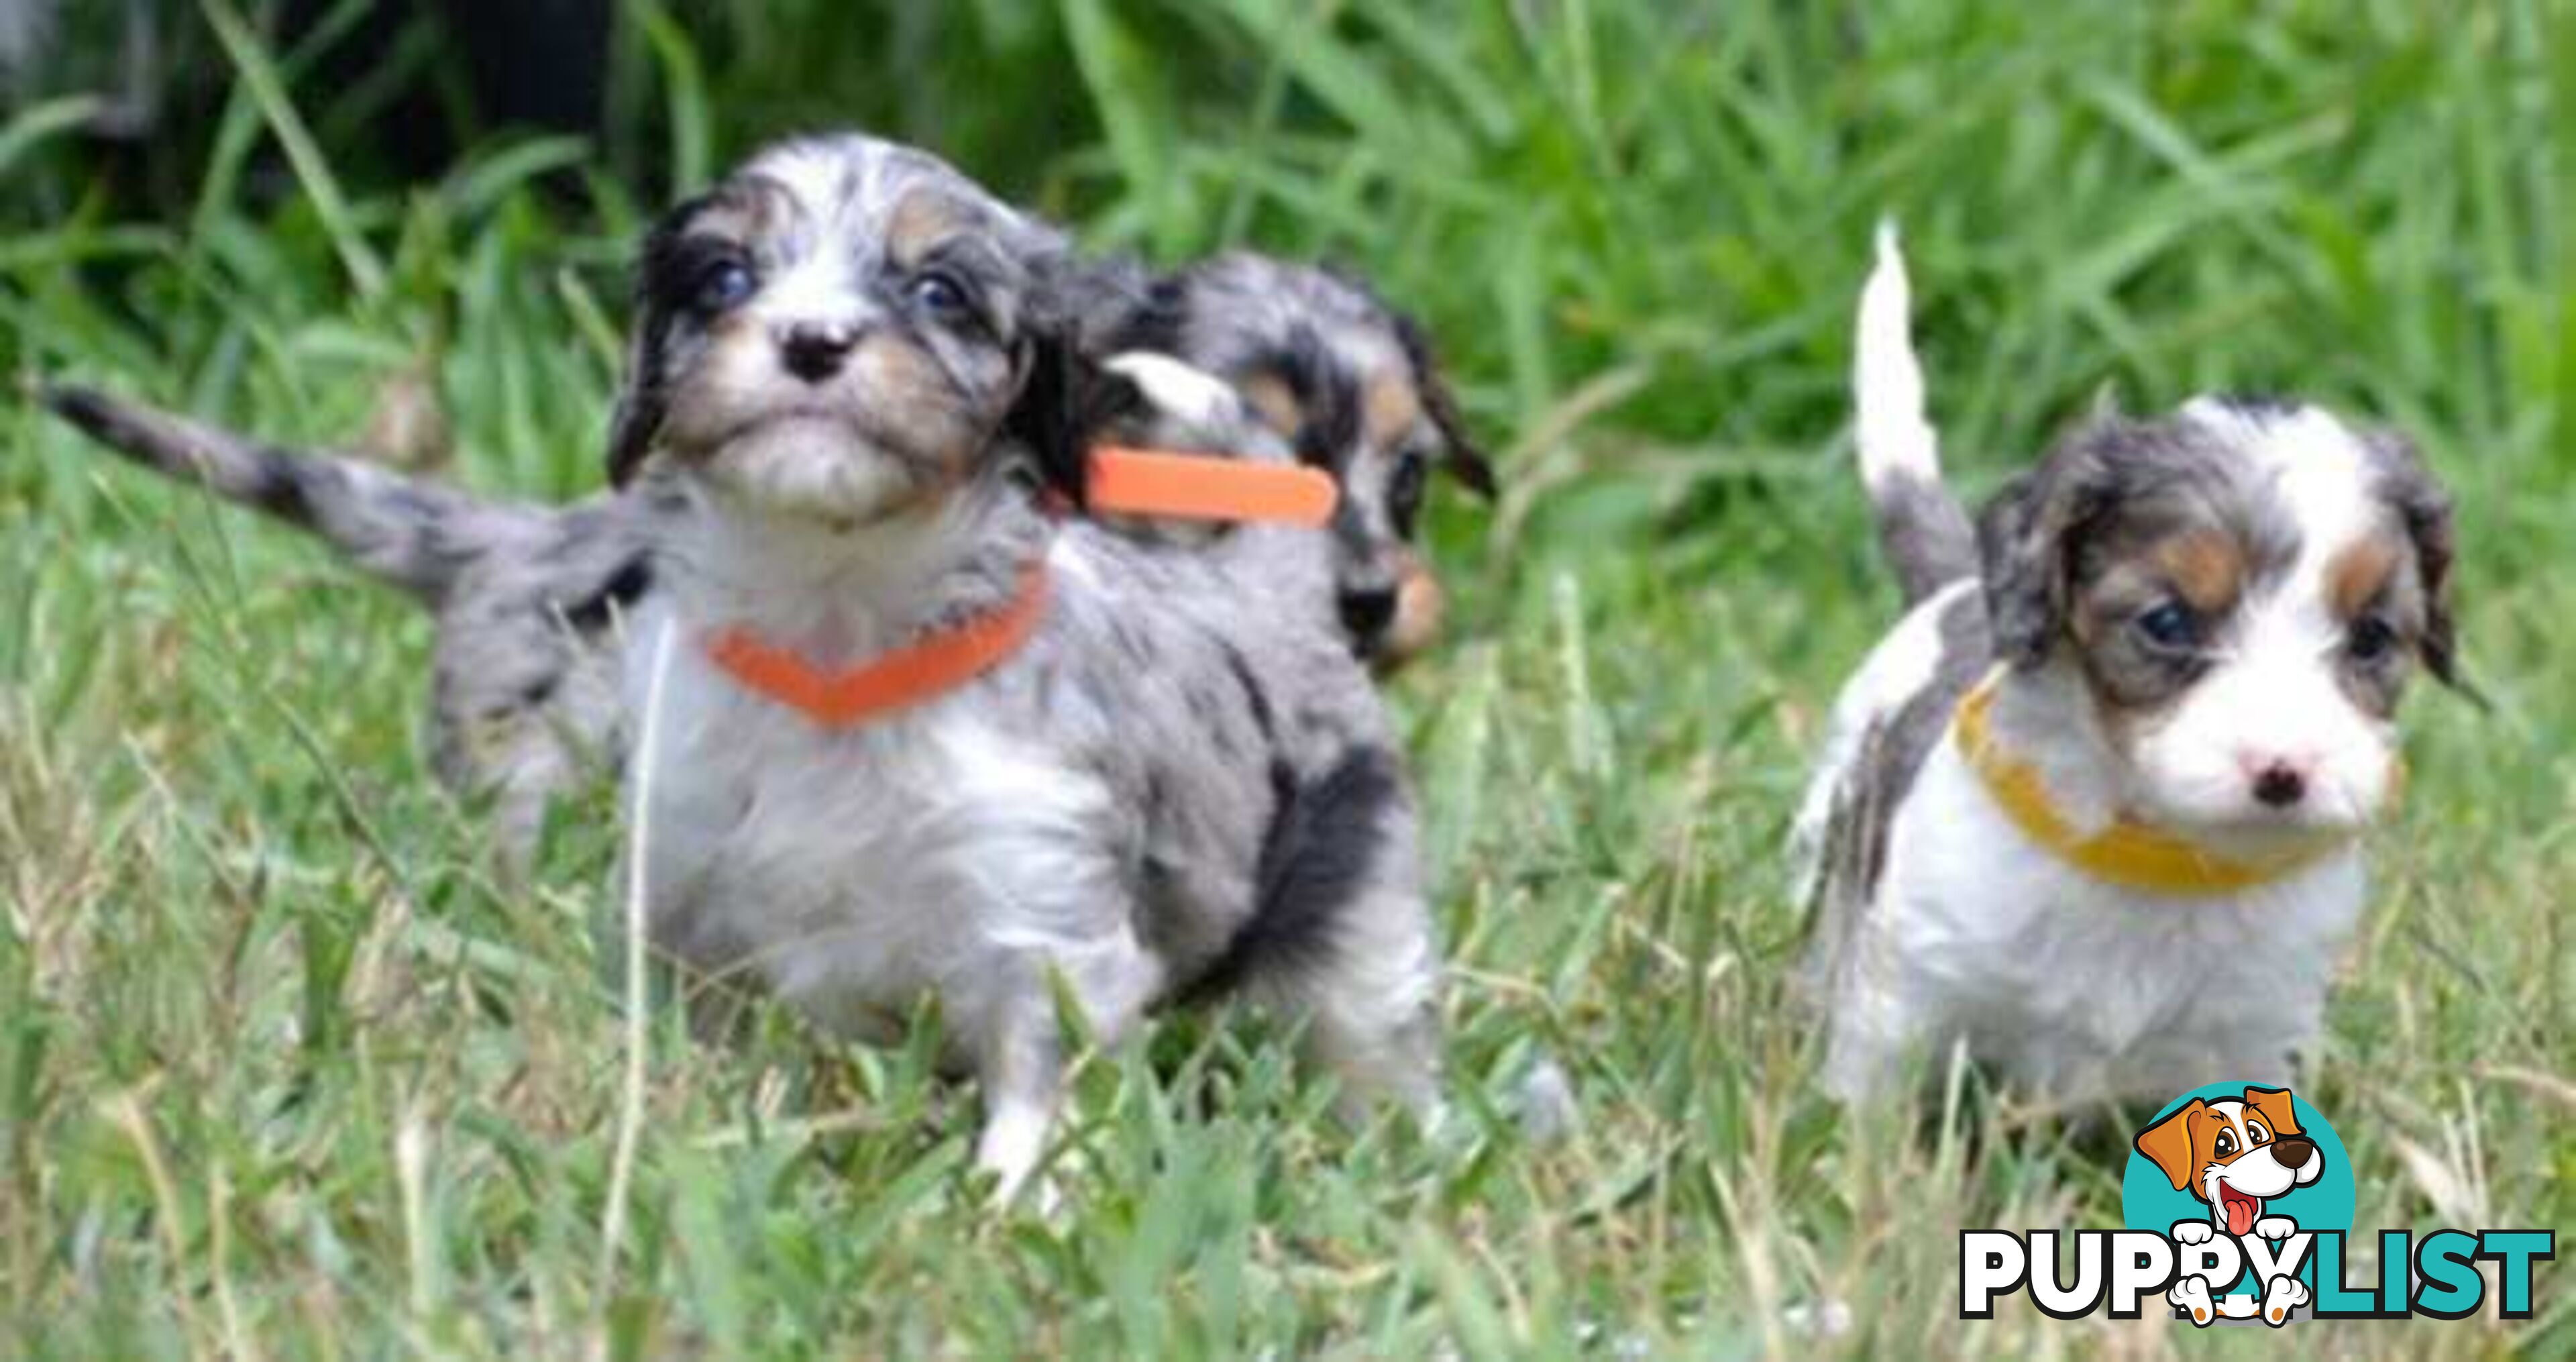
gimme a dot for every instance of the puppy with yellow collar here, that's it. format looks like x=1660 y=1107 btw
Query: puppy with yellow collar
x=2092 y=812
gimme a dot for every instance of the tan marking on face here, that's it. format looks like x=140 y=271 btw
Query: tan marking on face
x=898 y=377
x=1389 y=408
x=1419 y=606
x=2207 y=566
x=1271 y=399
x=2358 y=573
x=919 y=223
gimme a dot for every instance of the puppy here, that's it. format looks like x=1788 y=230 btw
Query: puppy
x=2092 y=810
x=2235 y=1156
x=1351 y=384
x=1103 y=771
x=524 y=701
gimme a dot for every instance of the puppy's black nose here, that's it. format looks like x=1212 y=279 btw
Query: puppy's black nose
x=813 y=351
x=2280 y=785
x=1366 y=613
x=2294 y=1151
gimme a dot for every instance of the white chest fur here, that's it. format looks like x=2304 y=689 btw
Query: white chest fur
x=2070 y=986
x=851 y=871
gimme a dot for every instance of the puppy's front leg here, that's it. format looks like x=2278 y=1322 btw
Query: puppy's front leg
x=1023 y=1080
x=1879 y=1025
x=1020 y=1058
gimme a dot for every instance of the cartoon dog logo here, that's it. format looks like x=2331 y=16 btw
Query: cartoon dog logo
x=2235 y=1156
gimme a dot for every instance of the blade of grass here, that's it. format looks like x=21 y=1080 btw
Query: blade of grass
x=312 y=170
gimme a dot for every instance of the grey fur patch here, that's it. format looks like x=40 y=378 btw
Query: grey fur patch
x=1924 y=532
x=2425 y=510
x=1883 y=770
x=1318 y=854
x=407 y=532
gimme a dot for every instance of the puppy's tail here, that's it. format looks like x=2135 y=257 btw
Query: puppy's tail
x=1923 y=529
x=407 y=532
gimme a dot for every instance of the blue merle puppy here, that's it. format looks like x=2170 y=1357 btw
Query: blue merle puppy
x=1181 y=783
x=857 y=397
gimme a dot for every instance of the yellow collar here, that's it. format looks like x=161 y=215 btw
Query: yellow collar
x=2131 y=855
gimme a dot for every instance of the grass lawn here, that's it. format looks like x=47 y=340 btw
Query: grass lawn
x=287 y=1070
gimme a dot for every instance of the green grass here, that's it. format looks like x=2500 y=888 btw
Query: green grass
x=286 y=1071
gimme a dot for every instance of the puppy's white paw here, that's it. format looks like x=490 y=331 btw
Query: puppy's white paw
x=1548 y=1111
x=1190 y=394
x=2192 y=1293
x=2276 y=1227
x=2193 y=1232
x=2284 y=1295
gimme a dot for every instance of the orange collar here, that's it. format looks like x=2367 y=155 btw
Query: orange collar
x=1124 y=481
x=932 y=666
x=1153 y=482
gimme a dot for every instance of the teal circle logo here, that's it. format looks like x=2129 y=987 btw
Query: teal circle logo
x=2238 y=1121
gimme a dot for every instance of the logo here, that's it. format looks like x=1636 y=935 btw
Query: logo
x=2237 y=1164
x=2239 y=1200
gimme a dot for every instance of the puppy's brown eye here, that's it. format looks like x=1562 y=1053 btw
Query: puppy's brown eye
x=2257 y=1135
x=725 y=284
x=2372 y=639
x=2224 y=1145
x=2169 y=626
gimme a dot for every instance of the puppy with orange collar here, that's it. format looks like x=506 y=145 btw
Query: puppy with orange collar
x=2235 y=1156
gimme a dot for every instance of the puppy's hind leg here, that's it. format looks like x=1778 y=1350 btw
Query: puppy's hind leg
x=1371 y=1007
x=1342 y=938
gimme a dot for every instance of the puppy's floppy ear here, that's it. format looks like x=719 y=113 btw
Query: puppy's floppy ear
x=637 y=417
x=2168 y=1144
x=2426 y=510
x=2025 y=541
x=642 y=400
x=1462 y=458
x=1065 y=400
x=2274 y=1106
x=2024 y=571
